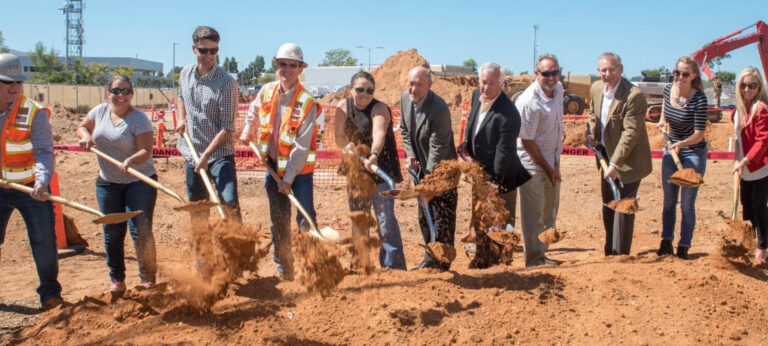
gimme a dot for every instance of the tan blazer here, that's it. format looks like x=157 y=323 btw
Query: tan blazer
x=626 y=138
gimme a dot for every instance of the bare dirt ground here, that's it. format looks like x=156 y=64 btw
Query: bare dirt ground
x=589 y=299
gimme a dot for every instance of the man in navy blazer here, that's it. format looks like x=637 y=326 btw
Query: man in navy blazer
x=491 y=140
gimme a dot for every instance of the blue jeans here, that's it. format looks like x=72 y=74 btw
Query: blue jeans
x=121 y=198
x=38 y=216
x=697 y=160
x=280 y=216
x=224 y=179
x=391 y=253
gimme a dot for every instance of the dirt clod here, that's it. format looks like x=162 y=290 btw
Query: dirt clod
x=551 y=236
x=443 y=252
x=687 y=176
x=625 y=205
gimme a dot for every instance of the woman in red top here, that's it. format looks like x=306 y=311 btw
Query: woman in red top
x=751 y=122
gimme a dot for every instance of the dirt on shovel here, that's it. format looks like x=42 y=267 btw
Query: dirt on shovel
x=687 y=177
x=442 y=252
x=444 y=177
x=624 y=206
x=551 y=236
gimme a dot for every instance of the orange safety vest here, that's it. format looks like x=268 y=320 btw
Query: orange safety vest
x=293 y=118
x=16 y=151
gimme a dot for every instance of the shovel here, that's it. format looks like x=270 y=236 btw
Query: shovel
x=101 y=219
x=393 y=192
x=614 y=189
x=446 y=250
x=185 y=206
x=686 y=177
x=212 y=194
x=327 y=233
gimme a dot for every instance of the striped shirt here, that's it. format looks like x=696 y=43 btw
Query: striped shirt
x=684 y=121
x=211 y=105
x=42 y=144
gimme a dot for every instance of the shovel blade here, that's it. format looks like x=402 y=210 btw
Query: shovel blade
x=686 y=177
x=330 y=234
x=400 y=194
x=196 y=206
x=116 y=217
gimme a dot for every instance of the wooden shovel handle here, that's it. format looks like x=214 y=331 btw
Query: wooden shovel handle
x=52 y=198
x=206 y=180
x=137 y=174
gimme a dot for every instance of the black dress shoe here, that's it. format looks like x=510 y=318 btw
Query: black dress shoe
x=665 y=248
x=682 y=252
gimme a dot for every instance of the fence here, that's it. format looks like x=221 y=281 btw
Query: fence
x=88 y=96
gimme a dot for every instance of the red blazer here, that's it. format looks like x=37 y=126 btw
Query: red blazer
x=754 y=139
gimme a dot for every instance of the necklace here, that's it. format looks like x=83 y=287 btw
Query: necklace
x=681 y=103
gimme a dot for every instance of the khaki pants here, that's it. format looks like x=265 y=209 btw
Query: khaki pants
x=539 y=201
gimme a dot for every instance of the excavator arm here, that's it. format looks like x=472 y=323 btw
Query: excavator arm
x=735 y=41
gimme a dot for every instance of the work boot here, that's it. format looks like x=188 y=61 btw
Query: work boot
x=682 y=252
x=666 y=248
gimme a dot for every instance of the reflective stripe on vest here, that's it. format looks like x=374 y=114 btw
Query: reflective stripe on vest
x=292 y=120
x=16 y=142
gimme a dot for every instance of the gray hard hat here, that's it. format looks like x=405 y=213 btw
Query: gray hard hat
x=10 y=68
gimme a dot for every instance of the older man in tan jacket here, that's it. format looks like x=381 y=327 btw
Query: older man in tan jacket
x=617 y=128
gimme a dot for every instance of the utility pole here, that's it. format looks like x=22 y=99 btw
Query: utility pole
x=369 y=54
x=535 y=28
x=173 y=69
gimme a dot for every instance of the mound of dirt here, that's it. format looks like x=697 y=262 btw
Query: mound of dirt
x=64 y=124
x=625 y=205
x=319 y=266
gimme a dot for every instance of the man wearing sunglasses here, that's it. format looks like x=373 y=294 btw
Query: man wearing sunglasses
x=428 y=139
x=286 y=113
x=617 y=128
x=539 y=146
x=208 y=98
x=27 y=158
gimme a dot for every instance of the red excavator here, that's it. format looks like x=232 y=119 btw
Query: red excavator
x=720 y=46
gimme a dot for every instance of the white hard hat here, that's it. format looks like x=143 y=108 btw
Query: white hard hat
x=10 y=68
x=290 y=51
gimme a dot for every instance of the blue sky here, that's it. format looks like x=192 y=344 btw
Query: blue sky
x=647 y=34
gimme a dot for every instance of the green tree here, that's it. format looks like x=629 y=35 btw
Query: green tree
x=3 y=48
x=523 y=72
x=250 y=74
x=232 y=65
x=272 y=66
x=226 y=64
x=470 y=63
x=507 y=72
x=339 y=57
x=726 y=77
x=48 y=67
x=717 y=61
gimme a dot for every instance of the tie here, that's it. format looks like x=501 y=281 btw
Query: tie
x=484 y=107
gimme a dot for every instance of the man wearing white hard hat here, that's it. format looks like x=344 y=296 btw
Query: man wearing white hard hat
x=285 y=114
x=27 y=158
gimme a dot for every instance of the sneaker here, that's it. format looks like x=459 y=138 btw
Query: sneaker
x=117 y=287
x=665 y=248
x=51 y=303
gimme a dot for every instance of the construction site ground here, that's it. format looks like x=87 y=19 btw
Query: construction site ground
x=637 y=299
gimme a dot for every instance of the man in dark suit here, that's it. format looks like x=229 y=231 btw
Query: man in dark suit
x=428 y=139
x=617 y=127
x=491 y=133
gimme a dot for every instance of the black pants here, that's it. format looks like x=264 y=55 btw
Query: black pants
x=621 y=243
x=443 y=210
x=754 y=196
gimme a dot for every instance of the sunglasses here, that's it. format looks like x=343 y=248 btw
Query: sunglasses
x=204 y=51
x=361 y=89
x=285 y=64
x=554 y=73
x=679 y=73
x=11 y=82
x=752 y=86
x=118 y=91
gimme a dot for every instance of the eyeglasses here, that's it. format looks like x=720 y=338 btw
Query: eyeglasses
x=285 y=64
x=124 y=91
x=679 y=73
x=204 y=51
x=361 y=89
x=11 y=82
x=554 y=73
x=752 y=86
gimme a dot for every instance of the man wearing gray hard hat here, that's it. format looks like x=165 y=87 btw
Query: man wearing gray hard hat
x=27 y=158
x=285 y=114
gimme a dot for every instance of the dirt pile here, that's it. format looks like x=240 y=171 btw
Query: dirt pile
x=625 y=205
x=444 y=177
x=64 y=124
x=359 y=181
x=551 y=236
x=319 y=266
x=224 y=250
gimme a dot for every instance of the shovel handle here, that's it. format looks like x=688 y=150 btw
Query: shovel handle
x=668 y=144
x=204 y=174
x=315 y=232
x=736 y=187
x=52 y=198
x=380 y=172
x=139 y=175
x=424 y=205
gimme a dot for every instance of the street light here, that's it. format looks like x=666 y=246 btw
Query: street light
x=174 y=64
x=369 y=54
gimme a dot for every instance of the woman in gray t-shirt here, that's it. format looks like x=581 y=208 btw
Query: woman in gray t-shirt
x=124 y=133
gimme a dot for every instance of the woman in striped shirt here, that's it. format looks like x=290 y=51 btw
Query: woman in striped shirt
x=685 y=112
